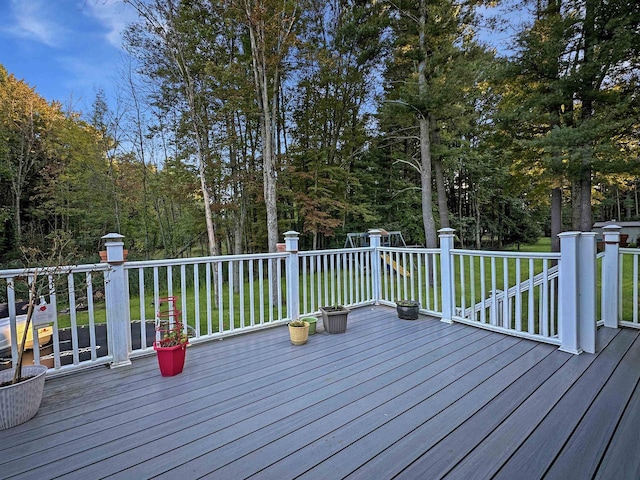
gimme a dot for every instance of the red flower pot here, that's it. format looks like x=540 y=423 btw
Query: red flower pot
x=170 y=359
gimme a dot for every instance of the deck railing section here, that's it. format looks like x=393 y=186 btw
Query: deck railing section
x=629 y=275
x=619 y=282
x=510 y=292
x=217 y=296
x=74 y=295
x=547 y=297
x=334 y=277
x=411 y=274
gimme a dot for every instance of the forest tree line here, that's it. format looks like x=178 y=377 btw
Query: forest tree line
x=238 y=120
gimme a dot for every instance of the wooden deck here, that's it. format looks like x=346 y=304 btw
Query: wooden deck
x=389 y=398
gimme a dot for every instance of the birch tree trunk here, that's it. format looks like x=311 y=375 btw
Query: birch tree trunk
x=269 y=44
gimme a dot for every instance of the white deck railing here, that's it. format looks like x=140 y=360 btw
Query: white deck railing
x=334 y=277
x=217 y=296
x=628 y=314
x=411 y=274
x=511 y=292
x=75 y=336
x=105 y=313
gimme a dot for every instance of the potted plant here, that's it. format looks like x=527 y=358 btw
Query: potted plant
x=334 y=319
x=299 y=332
x=312 y=324
x=408 y=309
x=21 y=388
x=171 y=339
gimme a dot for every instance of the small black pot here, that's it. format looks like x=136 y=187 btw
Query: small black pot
x=408 y=309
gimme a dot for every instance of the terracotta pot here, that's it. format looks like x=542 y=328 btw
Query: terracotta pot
x=103 y=255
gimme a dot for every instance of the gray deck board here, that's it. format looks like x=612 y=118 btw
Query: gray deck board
x=281 y=439
x=218 y=431
x=534 y=456
x=471 y=421
x=591 y=437
x=622 y=459
x=348 y=438
x=419 y=399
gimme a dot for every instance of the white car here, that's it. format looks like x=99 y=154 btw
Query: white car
x=41 y=315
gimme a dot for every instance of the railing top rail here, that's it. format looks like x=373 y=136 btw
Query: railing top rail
x=55 y=270
x=199 y=260
x=410 y=249
x=633 y=251
x=333 y=251
x=502 y=254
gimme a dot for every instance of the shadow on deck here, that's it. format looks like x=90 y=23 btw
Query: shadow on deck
x=412 y=399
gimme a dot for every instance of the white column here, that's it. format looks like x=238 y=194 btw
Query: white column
x=291 y=240
x=117 y=302
x=376 y=275
x=446 y=273
x=587 y=291
x=568 y=292
x=611 y=276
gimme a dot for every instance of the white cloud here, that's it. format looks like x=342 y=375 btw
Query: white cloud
x=34 y=20
x=114 y=15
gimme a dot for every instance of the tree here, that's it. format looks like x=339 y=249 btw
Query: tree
x=338 y=56
x=431 y=41
x=571 y=89
x=164 y=44
x=271 y=26
x=26 y=125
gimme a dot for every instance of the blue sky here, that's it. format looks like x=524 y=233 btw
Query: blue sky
x=66 y=49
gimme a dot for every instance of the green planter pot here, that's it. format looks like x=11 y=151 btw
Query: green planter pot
x=312 y=324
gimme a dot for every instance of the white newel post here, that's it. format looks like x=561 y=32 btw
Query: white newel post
x=375 y=236
x=610 y=276
x=446 y=273
x=587 y=292
x=291 y=239
x=117 y=302
x=568 y=292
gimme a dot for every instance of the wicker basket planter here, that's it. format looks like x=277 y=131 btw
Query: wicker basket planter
x=334 y=319
x=408 y=309
x=20 y=402
x=299 y=335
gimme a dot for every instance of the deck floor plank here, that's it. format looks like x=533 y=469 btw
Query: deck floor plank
x=352 y=427
x=451 y=445
x=594 y=432
x=492 y=375
x=474 y=423
x=530 y=446
x=192 y=413
x=622 y=458
x=226 y=387
x=420 y=399
x=217 y=432
x=280 y=440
